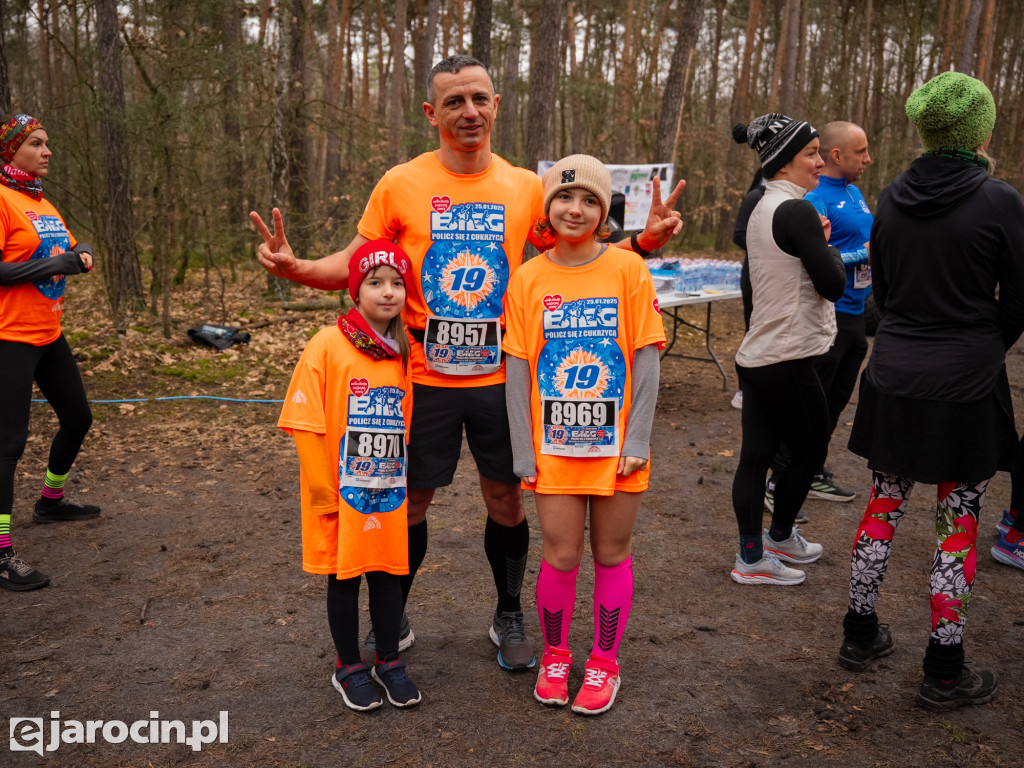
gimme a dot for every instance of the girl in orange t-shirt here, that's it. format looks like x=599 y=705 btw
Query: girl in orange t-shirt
x=36 y=252
x=348 y=407
x=583 y=332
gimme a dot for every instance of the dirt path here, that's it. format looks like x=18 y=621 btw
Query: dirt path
x=186 y=598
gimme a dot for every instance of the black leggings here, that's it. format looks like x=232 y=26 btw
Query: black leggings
x=838 y=371
x=385 y=614
x=53 y=368
x=781 y=402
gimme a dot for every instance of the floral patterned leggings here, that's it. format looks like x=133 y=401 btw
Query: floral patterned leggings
x=953 y=569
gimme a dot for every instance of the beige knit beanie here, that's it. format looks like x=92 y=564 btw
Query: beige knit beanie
x=582 y=171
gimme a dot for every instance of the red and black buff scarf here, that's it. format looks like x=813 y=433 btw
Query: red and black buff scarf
x=20 y=181
x=12 y=135
x=363 y=337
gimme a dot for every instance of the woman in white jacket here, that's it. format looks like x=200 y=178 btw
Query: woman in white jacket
x=795 y=276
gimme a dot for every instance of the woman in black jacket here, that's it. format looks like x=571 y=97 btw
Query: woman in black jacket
x=934 y=403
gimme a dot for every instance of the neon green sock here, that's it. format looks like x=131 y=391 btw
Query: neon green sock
x=5 y=533
x=53 y=487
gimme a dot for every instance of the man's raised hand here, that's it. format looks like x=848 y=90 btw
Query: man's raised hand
x=274 y=253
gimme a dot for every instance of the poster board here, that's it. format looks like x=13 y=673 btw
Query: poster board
x=634 y=182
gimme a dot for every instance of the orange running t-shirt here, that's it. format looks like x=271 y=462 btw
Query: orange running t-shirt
x=464 y=234
x=578 y=327
x=362 y=408
x=31 y=229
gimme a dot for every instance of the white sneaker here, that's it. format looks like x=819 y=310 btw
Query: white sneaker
x=767 y=570
x=737 y=400
x=795 y=549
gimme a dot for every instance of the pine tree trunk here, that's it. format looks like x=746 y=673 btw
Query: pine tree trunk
x=396 y=110
x=965 y=63
x=622 y=140
x=985 y=46
x=789 y=77
x=482 y=32
x=715 y=61
x=422 y=64
x=332 y=92
x=732 y=194
x=122 y=273
x=542 y=82
x=687 y=31
x=5 y=83
x=510 y=84
x=231 y=30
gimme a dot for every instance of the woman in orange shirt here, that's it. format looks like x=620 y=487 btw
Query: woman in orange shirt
x=36 y=252
x=583 y=331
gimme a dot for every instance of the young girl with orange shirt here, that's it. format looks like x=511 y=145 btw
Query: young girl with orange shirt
x=347 y=407
x=583 y=333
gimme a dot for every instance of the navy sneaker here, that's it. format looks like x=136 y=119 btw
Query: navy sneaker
x=1007 y=552
x=1006 y=523
x=353 y=682
x=401 y=691
x=63 y=511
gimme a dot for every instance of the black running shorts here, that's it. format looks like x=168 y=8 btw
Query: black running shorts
x=439 y=415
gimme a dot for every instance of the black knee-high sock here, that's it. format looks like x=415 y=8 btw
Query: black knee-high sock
x=417 y=551
x=385 y=612
x=506 y=549
x=343 y=617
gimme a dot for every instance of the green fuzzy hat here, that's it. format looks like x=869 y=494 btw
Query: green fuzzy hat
x=952 y=111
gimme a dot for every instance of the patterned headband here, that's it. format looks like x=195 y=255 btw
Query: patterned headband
x=13 y=134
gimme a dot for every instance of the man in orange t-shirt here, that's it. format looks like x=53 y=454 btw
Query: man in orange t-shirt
x=463 y=216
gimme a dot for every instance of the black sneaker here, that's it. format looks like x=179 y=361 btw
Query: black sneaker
x=18 y=575
x=858 y=656
x=972 y=687
x=401 y=691
x=405 y=637
x=508 y=632
x=353 y=682
x=824 y=486
x=63 y=511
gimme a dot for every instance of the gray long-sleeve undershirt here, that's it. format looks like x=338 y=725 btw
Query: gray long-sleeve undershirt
x=637 y=440
x=67 y=263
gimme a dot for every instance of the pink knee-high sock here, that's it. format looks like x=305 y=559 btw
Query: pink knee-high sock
x=613 y=599
x=556 y=598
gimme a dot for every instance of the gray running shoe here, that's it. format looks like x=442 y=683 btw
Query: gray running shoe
x=405 y=637
x=767 y=570
x=508 y=632
x=795 y=549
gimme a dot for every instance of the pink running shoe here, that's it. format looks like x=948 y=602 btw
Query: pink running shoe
x=553 y=678
x=600 y=684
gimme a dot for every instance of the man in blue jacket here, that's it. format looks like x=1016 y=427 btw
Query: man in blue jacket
x=844 y=148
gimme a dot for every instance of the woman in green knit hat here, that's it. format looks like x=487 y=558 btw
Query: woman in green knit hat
x=947 y=261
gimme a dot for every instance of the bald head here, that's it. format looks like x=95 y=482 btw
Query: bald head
x=844 y=148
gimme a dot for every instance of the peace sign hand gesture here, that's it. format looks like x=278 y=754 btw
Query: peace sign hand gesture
x=663 y=223
x=274 y=253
